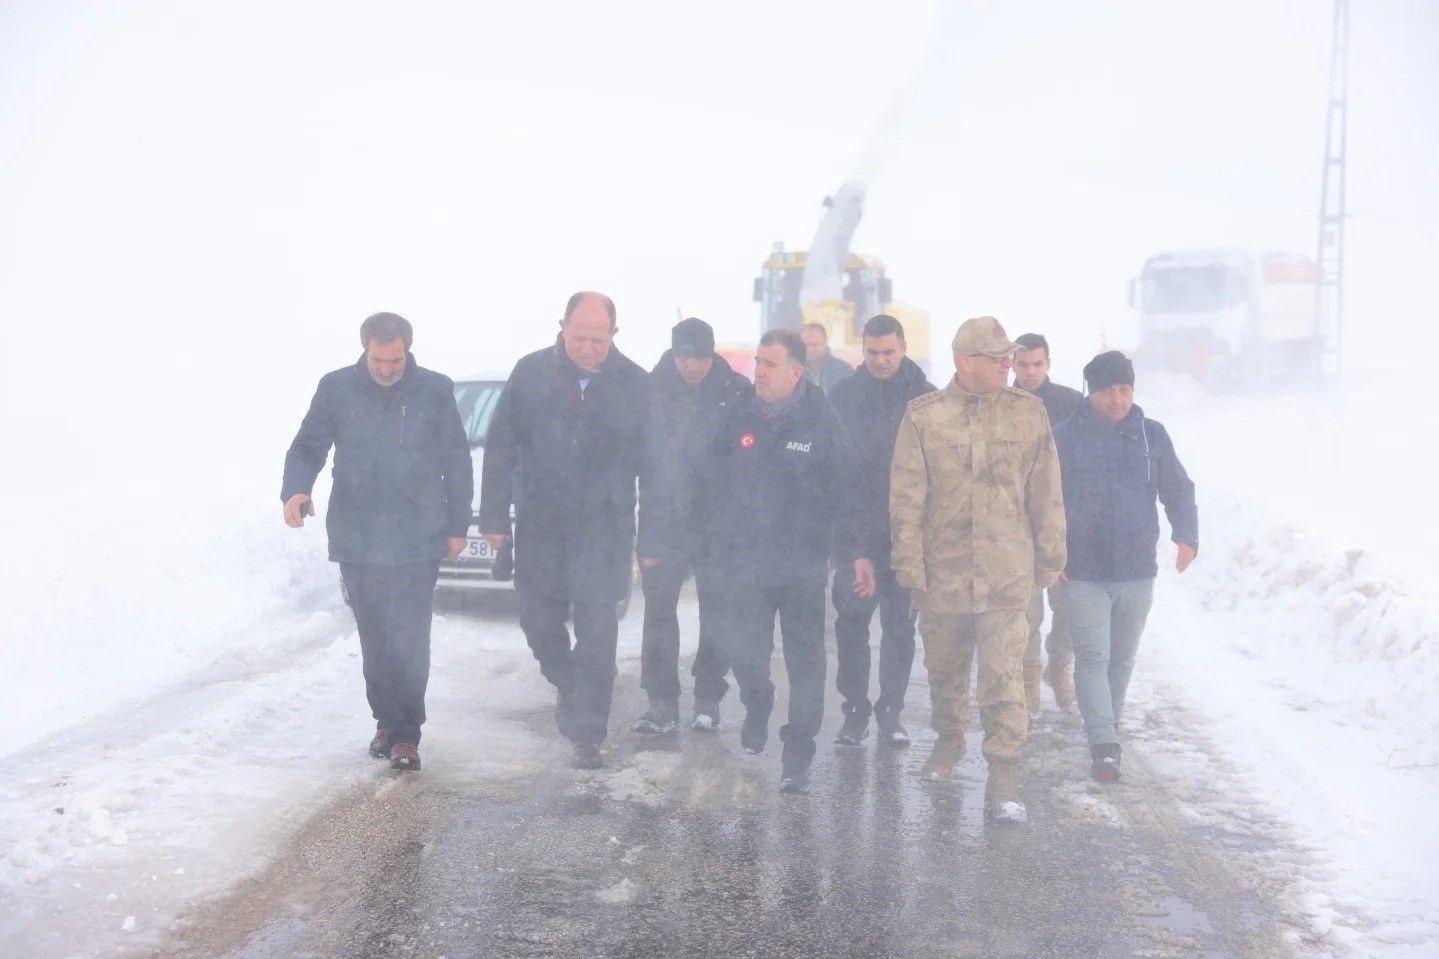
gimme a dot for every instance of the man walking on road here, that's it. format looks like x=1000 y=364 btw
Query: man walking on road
x=403 y=483
x=778 y=479
x=870 y=405
x=694 y=391
x=824 y=368
x=977 y=518
x=566 y=444
x=1031 y=374
x=1116 y=463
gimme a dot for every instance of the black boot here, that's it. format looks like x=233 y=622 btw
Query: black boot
x=891 y=732
x=1105 y=765
x=855 y=729
x=662 y=717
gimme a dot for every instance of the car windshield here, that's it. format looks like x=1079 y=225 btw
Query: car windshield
x=1198 y=289
x=477 y=404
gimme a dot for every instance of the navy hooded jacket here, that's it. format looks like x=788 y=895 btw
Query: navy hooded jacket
x=1112 y=475
x=773 y=496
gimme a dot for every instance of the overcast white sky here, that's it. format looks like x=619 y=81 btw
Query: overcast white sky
x=201 y=201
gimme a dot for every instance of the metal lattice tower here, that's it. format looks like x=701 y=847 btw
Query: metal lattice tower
x=1329 y=290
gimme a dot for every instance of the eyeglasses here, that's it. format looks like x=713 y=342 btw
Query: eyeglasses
x=990 y=356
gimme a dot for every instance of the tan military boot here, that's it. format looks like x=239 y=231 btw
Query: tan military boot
x=947 y=753
x=1001 y=793
x=1062 y=682
x=1031 y=689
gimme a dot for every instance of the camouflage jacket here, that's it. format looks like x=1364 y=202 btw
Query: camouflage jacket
x=976 y=507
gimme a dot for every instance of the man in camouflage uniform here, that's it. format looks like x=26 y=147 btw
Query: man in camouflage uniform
x=977 y=522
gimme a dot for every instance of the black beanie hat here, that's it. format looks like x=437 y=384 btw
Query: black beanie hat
x=1109 y=369
x=693 y=338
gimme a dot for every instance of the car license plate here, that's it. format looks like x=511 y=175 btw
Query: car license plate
x=478 y=549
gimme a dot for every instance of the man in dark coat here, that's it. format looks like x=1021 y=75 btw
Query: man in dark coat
x=403 y=482
x=871 y=404
x=825 y=370
x=566 y=445
x=779 y=479
x=1115 y=463
x=1031 y=374
x=693 y=392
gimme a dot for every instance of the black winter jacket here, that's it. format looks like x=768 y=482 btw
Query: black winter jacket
x=870 y=411
x=1059 y=401
x=403 y=478
x=773 y=496
x=568 y=460
x=1112 y=475
x=686 y=419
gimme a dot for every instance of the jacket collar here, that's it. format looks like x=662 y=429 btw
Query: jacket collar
x=667 y=375
x=908 y=374
x=965 y=396
x=613 y=361
x=1084 y=415
x=362 y=372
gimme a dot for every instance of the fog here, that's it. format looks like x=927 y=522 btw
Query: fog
x=200 y=204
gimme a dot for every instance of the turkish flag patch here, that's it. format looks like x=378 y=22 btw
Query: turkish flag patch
x=999 y=330
x=746 y=441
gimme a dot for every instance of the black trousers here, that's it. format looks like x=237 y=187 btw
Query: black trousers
x=660 y=650
x=749 y=636
x=393 y=608
x=583 y=673
x=851 y=636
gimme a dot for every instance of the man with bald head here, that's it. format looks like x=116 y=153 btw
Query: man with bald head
x=566 y=446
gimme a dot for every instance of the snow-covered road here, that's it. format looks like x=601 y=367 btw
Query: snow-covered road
x=1285 y=689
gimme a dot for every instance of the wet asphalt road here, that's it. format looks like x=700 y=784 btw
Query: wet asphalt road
x=682 y=846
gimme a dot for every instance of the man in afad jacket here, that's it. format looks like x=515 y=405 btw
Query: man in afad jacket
x=779 y=478
x=566 y=445
x=403 y=482
x=1031 y=374
x=870 y=404
x=978 y=523
x=693 y=391
x=1116 y=463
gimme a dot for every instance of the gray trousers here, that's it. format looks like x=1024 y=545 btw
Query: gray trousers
x=1058 y=647
x=1105 y=623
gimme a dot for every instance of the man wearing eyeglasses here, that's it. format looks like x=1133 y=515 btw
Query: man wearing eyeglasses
x=977 y=524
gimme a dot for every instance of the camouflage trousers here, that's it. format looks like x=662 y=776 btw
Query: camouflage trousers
x=1057 y=645
x=950 y=642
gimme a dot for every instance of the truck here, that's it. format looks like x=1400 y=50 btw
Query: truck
x=832 y=286
x=1230 y=316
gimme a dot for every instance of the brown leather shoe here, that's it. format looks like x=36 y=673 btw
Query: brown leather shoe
x=586 y=756
x=1031 y=689
x=404 y=756
x=380 y=745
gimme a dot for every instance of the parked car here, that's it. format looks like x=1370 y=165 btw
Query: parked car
x=476 y=566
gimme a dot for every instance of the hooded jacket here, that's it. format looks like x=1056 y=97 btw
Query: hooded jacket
x=685 y=420
x=1112 y=475
x=870 y=410
x=773 y=495
x=568 y=458
x=403 y=478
